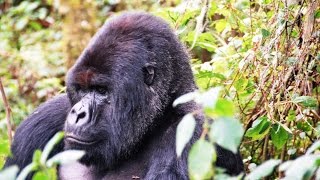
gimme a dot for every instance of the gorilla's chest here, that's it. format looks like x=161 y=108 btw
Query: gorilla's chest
x=127 y=170
x=78 y=171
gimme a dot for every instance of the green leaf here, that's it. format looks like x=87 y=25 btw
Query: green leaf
x=279 y=136
x=36 y=156
x=317 y=14
x=265 y=33
x=4 y=147
x=185 y=131
x=9 y=173
x=227 y=132
x=259 y=129
x=26 y=170
x=224 y=108
x=49 y=146
x=201 y=157
x=220 y=25
x=306 y=101
x=241 y=84
x=40 y=175
x=291 y=115
x=263 y=170
x=65 y=157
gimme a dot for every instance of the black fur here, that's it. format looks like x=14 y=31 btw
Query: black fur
x=124 y=83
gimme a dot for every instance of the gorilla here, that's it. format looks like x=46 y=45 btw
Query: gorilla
x=118 y=107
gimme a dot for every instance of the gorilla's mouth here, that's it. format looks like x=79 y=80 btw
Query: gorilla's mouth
x=78 y=140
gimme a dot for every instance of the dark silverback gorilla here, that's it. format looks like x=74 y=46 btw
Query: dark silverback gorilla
x=118 y=107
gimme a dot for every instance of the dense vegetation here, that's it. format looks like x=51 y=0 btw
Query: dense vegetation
x=257 y=62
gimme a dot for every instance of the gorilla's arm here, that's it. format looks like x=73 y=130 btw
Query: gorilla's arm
x=165 y=163
x=35 y=131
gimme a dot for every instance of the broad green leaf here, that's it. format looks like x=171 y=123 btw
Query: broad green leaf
x=49 y=146
x=259 y=129
x=185 y=98
x=224 y=108
x=279 y=136
x=306 y=101
x=265 y=33
x=263 y=170
x=313 y=147
x=40 y=175
x=65 y=157
x=185 y=131
x=200 y=159
x=10 y=173
x=227 y=132
x=220 y=25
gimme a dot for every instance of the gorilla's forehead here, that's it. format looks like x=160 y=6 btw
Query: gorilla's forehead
x=125 y=37
x=122 y=46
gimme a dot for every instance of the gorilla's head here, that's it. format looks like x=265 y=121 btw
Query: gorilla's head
x=121 y=86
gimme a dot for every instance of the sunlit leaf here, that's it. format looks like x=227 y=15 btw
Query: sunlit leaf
x=313 y=147
x=263 y=170
x=302 y=168
x=49 y=146
x=21 y=23
x=185 y=131
x=41 y=176
x=65 y=157
x=9 y=173
x=227 y=132
x=185 y=98
x=200 y=159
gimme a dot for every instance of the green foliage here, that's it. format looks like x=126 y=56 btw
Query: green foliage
x=201 y=157
x=227 y=132
x=45 y=168
x=263 y=170
x=259 y=129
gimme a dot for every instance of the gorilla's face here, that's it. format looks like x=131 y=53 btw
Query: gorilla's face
x=118 y=88
x=112 y=108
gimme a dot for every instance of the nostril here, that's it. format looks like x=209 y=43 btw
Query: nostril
x=73 y=111
x=81 y=116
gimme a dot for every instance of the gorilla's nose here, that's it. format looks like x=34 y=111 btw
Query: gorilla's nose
x=79 y=114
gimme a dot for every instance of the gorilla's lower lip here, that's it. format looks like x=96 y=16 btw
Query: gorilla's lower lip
x=78 y=140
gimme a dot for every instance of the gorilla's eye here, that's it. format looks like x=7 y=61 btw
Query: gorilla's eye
x=101 y=90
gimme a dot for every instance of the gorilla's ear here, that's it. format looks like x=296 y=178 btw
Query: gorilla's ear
x=148 y=73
